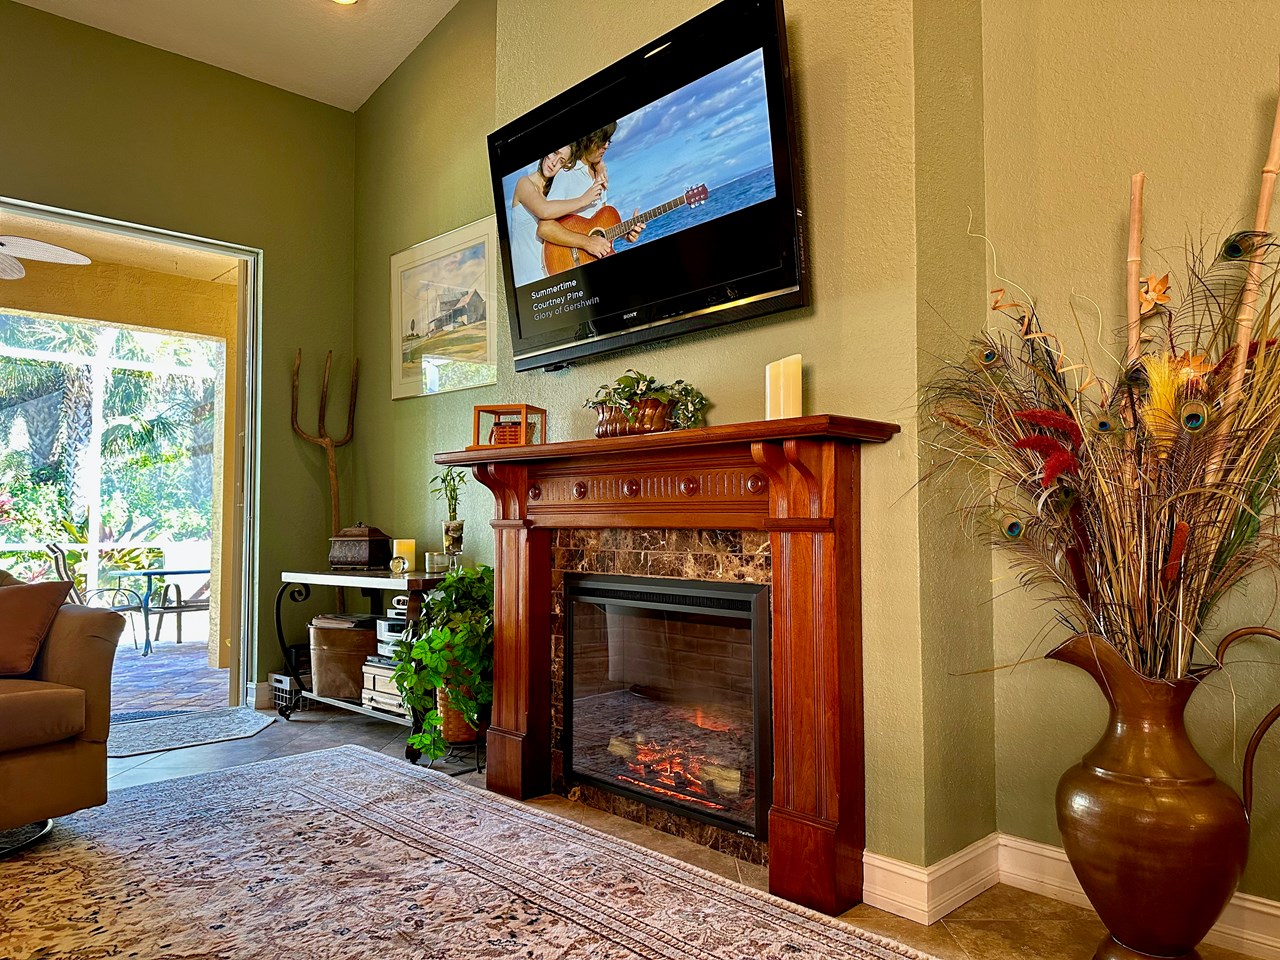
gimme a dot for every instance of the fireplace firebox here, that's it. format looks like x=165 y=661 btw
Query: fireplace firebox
x=667 y=695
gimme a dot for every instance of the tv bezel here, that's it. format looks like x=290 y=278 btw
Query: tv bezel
x=789 y=290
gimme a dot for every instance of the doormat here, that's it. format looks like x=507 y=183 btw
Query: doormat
x=128 y=716
x=366 y=856
x=185 y=730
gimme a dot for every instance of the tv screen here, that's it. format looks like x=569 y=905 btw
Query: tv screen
x=655 y=198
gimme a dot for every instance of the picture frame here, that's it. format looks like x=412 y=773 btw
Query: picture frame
x=442 y=327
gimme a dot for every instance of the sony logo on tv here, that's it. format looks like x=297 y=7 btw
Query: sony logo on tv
x=633 y=313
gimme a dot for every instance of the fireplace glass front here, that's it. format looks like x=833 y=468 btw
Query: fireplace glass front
x=667 y=694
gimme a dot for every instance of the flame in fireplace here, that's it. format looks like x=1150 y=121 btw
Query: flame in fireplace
x=674 y=794
x=667 y=770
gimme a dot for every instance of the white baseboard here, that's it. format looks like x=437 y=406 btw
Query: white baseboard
x=1250 y=924
x=926 y=894
x=259 y=695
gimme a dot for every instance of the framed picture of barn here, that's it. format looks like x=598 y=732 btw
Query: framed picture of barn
x=442 y=330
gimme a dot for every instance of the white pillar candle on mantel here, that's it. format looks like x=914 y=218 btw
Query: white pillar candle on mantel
x=783 y=388
x=408 y=549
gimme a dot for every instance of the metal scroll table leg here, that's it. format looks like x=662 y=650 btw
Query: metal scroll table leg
x=298 y=593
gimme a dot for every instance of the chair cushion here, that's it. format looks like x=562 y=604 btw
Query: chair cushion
x=26 y=613
x=33 y=712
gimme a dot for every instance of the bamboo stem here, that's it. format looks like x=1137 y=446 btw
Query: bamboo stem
x=1249 y=296
x=1133 y=264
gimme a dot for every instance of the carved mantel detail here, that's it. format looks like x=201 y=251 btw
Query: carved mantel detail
x=798 y=479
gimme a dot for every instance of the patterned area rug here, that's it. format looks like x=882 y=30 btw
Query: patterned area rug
x=345 y=854
x=185 y=730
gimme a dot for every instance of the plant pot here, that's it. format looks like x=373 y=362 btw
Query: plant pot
x=456 y=730
x=452 y=535
x=647 y=416
x=1156 y=840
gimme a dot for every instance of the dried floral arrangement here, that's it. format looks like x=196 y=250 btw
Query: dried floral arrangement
x=1135 y=495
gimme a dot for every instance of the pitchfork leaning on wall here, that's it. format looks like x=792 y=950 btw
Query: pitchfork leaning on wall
x=322 y=439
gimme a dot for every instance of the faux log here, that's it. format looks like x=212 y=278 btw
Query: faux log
x=796 y=478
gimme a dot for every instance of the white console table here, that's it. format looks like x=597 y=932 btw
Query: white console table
x=296 y=585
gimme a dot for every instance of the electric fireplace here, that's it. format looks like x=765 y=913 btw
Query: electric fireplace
x=668 y=695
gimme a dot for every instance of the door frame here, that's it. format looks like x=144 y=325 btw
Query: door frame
x=240 y=522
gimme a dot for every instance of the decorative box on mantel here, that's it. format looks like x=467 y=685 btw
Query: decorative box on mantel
x=795 y=479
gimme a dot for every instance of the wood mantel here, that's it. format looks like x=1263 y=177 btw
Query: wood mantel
x=796 y=478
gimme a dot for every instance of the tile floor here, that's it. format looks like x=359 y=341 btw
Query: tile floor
x=1001 y=924
x=174 y=676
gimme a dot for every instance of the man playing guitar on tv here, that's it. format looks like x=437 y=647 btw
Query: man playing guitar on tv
x=584 y=167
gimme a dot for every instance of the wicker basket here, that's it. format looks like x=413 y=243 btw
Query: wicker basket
x=456 y=729
x=650 y=416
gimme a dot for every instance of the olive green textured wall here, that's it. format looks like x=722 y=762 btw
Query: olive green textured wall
x=107 y=126
x=1077 y=97
x=422 y=170
x=955 y=589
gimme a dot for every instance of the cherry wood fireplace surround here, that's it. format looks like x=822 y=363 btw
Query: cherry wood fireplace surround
x=798 y=479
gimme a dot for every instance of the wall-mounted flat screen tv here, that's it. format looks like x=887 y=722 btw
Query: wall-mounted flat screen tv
x=657 y=197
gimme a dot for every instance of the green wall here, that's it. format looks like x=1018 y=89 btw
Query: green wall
x=955 y=588
x=102 y=125
x=1077 y=97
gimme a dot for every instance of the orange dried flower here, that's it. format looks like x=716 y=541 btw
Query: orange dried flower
x=1154 y=292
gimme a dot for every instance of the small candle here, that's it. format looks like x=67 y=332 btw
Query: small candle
x=407 y=549
x=783 y=388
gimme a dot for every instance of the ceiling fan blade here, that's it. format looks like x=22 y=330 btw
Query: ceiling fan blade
x=11 y=269
x=39 y=250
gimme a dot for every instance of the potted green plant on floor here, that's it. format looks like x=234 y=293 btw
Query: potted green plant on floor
x=445 y=673
x=447 y=486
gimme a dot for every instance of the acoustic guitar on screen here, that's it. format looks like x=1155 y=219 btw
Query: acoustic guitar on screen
x=608 y=223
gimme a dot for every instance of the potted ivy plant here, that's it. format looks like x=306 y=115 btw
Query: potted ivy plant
x=639 y=403
x=445 y=669
x=446 y=487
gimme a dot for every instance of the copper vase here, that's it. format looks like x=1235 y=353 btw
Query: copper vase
x=1156 y=840
x=646 y=416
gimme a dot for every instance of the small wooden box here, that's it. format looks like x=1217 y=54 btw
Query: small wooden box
x=360 y=548
x=507 y=425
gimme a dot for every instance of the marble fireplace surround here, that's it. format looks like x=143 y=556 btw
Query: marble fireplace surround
x=795 y=481
x=733 y=556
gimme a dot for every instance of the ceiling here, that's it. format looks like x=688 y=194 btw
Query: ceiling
x=102 y=246
x=317 y=48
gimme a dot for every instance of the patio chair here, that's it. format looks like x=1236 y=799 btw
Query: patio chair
x=120 y=599
x=184 y=555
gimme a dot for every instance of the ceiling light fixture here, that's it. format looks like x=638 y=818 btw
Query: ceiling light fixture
x=346 y=3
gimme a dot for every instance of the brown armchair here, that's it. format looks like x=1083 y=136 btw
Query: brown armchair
x=54 y=720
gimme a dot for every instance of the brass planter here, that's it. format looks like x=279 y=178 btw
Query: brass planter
x=1156 y=840
x=647 y=416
